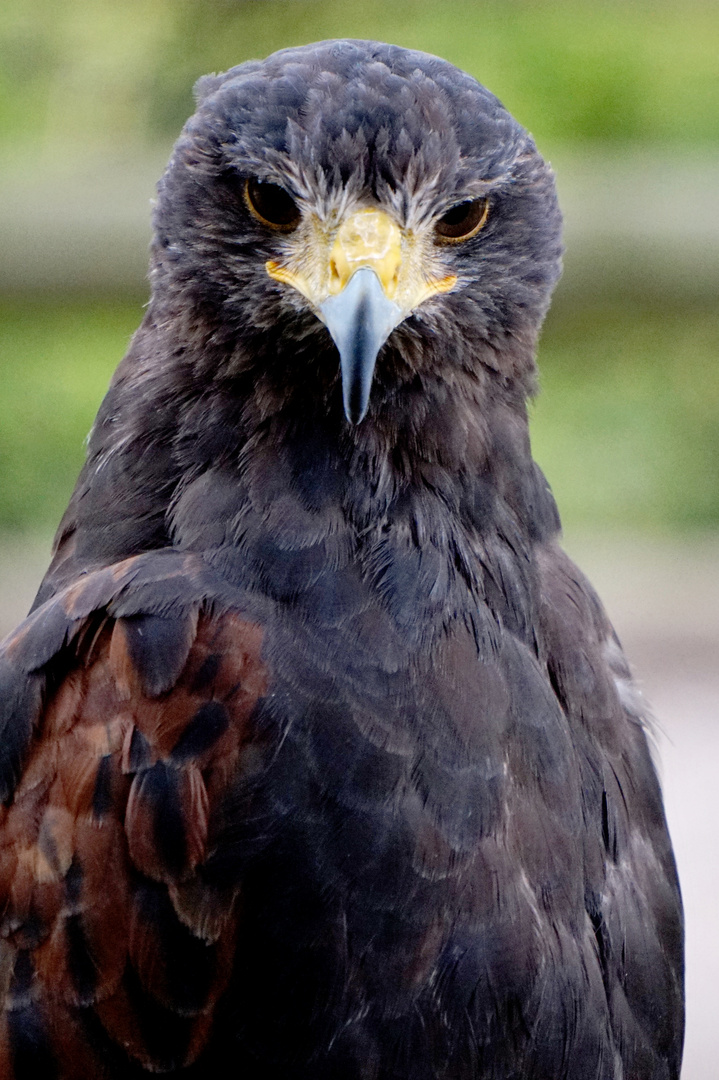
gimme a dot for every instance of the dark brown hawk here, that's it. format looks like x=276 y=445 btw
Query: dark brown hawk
x=319 y=759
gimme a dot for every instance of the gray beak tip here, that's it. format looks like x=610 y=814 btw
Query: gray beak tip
x=356 y=414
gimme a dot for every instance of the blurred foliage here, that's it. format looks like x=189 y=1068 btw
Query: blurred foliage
x=625 y=427
x=86 y=72
x=55 y=364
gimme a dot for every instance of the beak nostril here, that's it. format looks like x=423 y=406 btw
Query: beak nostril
x=339 y=270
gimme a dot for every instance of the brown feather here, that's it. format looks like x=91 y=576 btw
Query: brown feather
x=113 y=773
x=147 y=822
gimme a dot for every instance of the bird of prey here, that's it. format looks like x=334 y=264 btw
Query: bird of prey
x=319 y=759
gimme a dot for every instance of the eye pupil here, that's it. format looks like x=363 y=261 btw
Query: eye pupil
x=462 y=221
x=457 y=215
x=272 y=205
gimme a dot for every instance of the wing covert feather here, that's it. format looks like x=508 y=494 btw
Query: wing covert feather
x=105 y=919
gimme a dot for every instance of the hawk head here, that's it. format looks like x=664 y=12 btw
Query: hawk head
x=358 y=199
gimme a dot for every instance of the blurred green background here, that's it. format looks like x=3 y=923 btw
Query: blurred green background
x=622 y=97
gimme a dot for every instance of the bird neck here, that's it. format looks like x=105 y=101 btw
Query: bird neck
x=412 y=508
x=196 y=447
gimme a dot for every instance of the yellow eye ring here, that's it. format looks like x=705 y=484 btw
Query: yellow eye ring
x=462 y=221
x=272 y=205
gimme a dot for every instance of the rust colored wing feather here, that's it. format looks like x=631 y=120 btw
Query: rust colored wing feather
x=124 y=747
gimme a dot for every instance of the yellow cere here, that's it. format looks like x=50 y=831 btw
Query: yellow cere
x=366 y=238
x=319 y=265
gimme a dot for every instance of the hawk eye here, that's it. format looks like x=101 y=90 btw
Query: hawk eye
x=271 y=205
x=462 y=221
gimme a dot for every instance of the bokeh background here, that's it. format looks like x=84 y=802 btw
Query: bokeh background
x=623 y=98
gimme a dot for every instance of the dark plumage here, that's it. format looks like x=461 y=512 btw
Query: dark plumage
x=319 y=759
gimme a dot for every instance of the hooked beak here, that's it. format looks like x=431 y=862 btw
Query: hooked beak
x=362 y=282
x=360 y=319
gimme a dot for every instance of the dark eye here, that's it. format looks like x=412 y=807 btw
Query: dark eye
x=271 y=205
x=462 y=221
